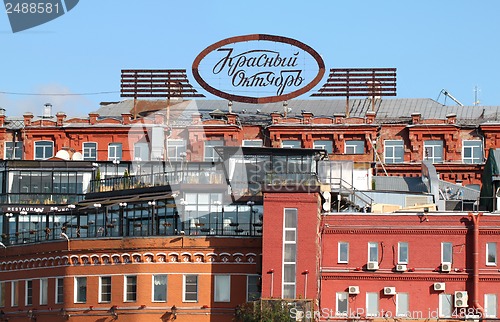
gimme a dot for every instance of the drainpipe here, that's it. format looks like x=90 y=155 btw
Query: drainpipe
x=475 y=258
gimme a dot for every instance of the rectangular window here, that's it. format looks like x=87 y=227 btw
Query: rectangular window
x=59 y=290
x=28 y=292
x=44 y=291
x=130 y=289
x=294 y=144
x=80 y=289
x=160 y=288
x=210 y=154
x=472 y=151
x=254 y=143
x=89 y=150
x=324 y=144
x=373 y=252
x=445 y=305
x=433 y=151
x=343 y=250
x=402 y=253
x=2 y=294
x=176 y=150
x=394 y=151
x=222 y=288
x=341 y=305
x=447 y=252
x=490 y=305
x=105 y=289
x=402 y=304
x=372 y=304
x=141 y=151
x=354 y=147
x=190 y=293
x=253 y=290
x=44 y=150
x=13 y=151
x=491 y=254
x=14 y=293
x=114 y=151
x=289 y=253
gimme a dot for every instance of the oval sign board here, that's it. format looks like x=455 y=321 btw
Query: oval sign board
x=258 y=68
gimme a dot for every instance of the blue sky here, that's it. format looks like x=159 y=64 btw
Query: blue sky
x=434 y=45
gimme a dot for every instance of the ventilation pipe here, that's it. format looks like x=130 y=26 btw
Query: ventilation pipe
x=475 y=262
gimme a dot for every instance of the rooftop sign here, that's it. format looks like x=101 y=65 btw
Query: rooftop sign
x=258 y=68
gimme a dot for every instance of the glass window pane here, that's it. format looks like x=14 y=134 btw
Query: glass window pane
x=402 y=304
x=373 y=252
x=289 y=252
x=342 y=303
x=253 y=290
x=290 y=218
x=403 y=253
x=491 y=253
x=446 y=252
x=445 y=305
x=372 y=304
x=490 y=305
x=160 y=288
x=222 y=288
x=343 y=252
x=289 y=273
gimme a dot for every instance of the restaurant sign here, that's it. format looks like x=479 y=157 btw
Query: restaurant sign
x=258 y=68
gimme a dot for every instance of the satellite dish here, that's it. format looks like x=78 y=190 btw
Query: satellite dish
x=62 y=154
x=77 y=156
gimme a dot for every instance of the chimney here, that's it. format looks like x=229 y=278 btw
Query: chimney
x=451 y=118
x=126 y=117
x=415 y=118
x=339 y=118
x=307 y=117
x=275 y=117
x=60 y=118
x=370 y=117
x=27 y=118
x=231 y=118
x=93 y=118
x=2 y=117
x=196 y=118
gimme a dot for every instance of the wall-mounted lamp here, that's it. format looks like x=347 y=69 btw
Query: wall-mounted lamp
x=174 y=312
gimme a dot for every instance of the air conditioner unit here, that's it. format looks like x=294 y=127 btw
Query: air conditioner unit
x=401 y=268
x=461 y=298
x=372 y=266
x=445 y=267
x=389 y=291
x=439 y=286
x=353 y=289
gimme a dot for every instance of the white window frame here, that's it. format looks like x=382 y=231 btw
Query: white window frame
x=394 y=145
x=44 y=149
x=323 y=146
x=339 y=252
x=220 y=282
x=252 y=143
x=184 y=281
x=443 y=252
x=59 y=281
x=28 y=301
x=125 y=288
x=256 y=277
x=399 y=302
x=370 y=309
x=153 y=288
x=487 y=310
x=14 y=293
x=433 y=145
x=114 y=146
x=345 y=297
x=287 y=233
x=18 y=147
x=141 y=146
x=448 y=300
x=87 y=149
x=178 y=147
x=100 y=299
x=355 y=145
x=400 y=259
x=44 y=291
x=373 y=246
x=473 y=159
x=297 y=144
x=76 y=293
x=491 y=247
x=211 y=144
